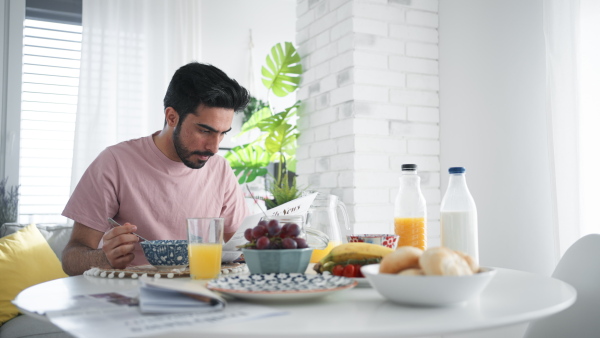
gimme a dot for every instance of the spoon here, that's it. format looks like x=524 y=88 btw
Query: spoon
x=113 y=222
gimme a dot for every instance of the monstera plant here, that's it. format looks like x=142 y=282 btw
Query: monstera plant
x=276 y=142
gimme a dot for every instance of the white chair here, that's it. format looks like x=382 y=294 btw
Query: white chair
x=580 y=267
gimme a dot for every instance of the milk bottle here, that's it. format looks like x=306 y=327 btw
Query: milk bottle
x=458 y=216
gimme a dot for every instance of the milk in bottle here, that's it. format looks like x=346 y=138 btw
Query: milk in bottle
x=458 y=216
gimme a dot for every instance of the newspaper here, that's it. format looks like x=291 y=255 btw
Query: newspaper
x=173 y=296
x=120 y=314
x=117 y=315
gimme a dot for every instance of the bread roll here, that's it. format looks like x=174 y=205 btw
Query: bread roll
x=411 y=272
x=443 y=261
x=404 y=257
x=470 y=260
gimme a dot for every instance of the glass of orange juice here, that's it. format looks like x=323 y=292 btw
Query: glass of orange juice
x=205 y=245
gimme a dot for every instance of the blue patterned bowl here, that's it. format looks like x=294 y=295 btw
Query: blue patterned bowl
x=282 y=260
x=166 y=254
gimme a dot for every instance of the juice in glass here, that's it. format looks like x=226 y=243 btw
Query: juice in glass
x=317 y=255
x=205 y=260
x=412 y=232
x=205 y=245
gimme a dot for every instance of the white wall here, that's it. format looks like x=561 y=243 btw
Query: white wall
x=370 y=96
x=226 y=26
x=492 y=121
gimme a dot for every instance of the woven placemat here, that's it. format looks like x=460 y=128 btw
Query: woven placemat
x=150 y=271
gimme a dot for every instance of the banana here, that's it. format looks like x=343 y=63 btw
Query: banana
x=352 y=253
x=349 y=251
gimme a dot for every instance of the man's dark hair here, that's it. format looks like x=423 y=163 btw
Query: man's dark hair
x=198 y=83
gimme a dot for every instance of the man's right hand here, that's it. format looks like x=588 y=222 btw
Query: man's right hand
x=81 y=253
x=118 y=245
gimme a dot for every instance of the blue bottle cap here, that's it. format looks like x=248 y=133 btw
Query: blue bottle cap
x=456 y=170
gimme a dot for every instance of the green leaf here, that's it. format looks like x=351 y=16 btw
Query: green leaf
x=248 y=162
x=255 y=119
x=270 y=123
x=282 y=72
x=281 y=138
x=282 y=133
x=290 y=163
x=283 y=192
x=253 y=106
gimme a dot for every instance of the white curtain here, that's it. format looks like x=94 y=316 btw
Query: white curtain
x=130 y=50
x=561 y=23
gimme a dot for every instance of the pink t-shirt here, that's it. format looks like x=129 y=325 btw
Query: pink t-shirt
x=133 y=181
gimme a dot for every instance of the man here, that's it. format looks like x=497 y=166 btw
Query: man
x=152 y=184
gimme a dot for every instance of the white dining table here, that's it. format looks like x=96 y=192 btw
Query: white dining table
x=512 y=297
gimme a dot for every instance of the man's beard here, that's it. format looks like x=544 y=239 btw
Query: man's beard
x=185 y=154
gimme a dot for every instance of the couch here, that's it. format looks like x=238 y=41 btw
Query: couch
x=39 y=248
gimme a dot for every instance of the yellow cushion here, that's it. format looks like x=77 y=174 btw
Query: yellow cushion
x=26 y=259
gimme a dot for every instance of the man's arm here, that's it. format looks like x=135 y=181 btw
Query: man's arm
x=80 y=253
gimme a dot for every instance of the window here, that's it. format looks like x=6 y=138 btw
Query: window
x=51 y=58
x=49 y=33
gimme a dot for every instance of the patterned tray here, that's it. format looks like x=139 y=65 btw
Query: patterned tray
x=150 y=271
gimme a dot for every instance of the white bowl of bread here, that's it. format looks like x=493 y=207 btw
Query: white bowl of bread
x=435 y=277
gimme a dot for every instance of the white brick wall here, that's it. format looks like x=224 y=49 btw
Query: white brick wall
x=369 y=104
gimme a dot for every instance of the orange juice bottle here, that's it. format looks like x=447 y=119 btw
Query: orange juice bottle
x=412 y=232
x=410 y=211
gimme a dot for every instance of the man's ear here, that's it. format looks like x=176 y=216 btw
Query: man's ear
x=171 y=117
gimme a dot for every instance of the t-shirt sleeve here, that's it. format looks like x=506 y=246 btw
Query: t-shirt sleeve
x=234 y=208
x=95 y=196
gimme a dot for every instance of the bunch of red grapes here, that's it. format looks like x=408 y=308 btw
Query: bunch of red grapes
x=270 y=235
